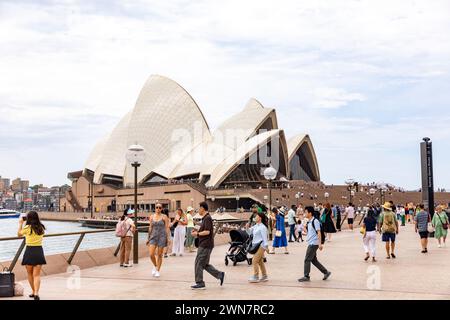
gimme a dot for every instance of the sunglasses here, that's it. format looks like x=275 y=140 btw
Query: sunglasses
x=158 y=207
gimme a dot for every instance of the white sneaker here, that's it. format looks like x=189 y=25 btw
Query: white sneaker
x=153 y=271
x=127 y=265
x=439 y=246
x=157 y=275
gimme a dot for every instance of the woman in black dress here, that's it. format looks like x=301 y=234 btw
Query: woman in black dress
x=328 y=224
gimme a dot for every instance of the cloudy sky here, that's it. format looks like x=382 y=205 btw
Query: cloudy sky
x=366 y=79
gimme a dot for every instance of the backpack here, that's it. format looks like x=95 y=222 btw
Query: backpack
x=121 y=228
x=322 y=233
x=389 y=223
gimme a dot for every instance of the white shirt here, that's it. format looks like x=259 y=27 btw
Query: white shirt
x=350 y=212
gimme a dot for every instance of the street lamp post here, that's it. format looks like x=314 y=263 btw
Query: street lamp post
x=372 y=193
x=350 y=183
x=270 y=174
x=352 y=194
x=297 y=196
x=326 y=195
x=135 y=156
x=237 y=203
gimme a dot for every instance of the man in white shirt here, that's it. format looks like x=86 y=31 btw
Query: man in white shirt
x=291 y=223
x=350 y=213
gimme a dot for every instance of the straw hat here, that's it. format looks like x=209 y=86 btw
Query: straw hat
x=189 y=209
x=387 y=206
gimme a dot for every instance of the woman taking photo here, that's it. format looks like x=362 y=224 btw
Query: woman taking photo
x=33 y=258
x=260 y=236
x=179 y=234
x=280 y=239
x=328 y=224
x=158 y=235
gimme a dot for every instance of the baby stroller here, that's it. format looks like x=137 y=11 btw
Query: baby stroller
x=238 y=247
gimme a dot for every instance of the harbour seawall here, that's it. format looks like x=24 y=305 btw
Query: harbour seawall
x=57 y=263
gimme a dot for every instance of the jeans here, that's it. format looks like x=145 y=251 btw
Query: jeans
x=202 y=263
x=292 y=232
x=311 y=257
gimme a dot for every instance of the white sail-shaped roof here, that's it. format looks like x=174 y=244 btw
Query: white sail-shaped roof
x=245 y=150
x=295 y=143
x=240 y=127
x=164 y=116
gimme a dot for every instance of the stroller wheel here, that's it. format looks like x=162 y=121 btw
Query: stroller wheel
x=234 y=263
x=226 y=261
x=249 y=261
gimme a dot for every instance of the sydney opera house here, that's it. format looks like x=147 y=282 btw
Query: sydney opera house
x=184 y=161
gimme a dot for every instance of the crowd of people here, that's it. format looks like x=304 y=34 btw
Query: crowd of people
x=267 y=229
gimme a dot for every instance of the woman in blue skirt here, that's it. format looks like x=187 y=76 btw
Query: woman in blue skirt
x=280 y=239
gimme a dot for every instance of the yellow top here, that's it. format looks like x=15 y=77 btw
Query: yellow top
x=190 y=220
x=31 y=238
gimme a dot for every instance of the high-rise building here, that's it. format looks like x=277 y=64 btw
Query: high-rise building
x=16 y=185
x=4 y=184
x=24 y=184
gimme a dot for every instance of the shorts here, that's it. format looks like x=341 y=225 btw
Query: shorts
x=388 y=237
x=350 y=220
x=423 y=234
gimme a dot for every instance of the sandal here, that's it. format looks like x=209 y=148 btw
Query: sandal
x=388 y=257
x=366 y=258
x=393 y=255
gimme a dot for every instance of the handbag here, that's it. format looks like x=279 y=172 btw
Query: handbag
x=7 y=283
x=363 y=230
x=253 y=248
x=444 y=225
x=278 y=233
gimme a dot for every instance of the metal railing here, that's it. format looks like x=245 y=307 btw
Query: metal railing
x=218 y=225
x=74 y=251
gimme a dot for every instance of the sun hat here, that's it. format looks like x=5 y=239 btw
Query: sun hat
x=387 y=206
x=189 y=209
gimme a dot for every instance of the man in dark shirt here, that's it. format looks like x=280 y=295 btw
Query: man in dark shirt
x=205 y=237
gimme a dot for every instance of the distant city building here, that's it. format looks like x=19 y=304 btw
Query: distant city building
x=4 y=184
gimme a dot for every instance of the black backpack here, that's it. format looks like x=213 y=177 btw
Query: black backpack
x=322 y=233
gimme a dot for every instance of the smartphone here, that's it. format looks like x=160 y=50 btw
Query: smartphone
x=24 y=216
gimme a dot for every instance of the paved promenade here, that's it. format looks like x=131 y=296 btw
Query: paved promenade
x=412 y=275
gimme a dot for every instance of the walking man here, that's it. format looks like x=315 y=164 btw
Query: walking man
x=314 y=239
x=389 y=229
x=205 y=237
x=291 y=223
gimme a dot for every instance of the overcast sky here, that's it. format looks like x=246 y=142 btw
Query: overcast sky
x=366 y=79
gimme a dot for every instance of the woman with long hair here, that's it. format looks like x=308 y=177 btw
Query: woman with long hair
x=179 y=234
x=168 y=247
x=370 y=234
x=33 y=258
x=260 y=237
x=158 y=235
x=328 y=224
x=280 y=239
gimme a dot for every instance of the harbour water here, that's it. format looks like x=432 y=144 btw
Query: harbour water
x=55 y=245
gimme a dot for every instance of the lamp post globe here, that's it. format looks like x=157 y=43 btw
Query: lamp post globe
x=270 y=173
x=135 y=156
x=326 y=195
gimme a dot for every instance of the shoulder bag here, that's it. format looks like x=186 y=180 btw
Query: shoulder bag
x=444 y=225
